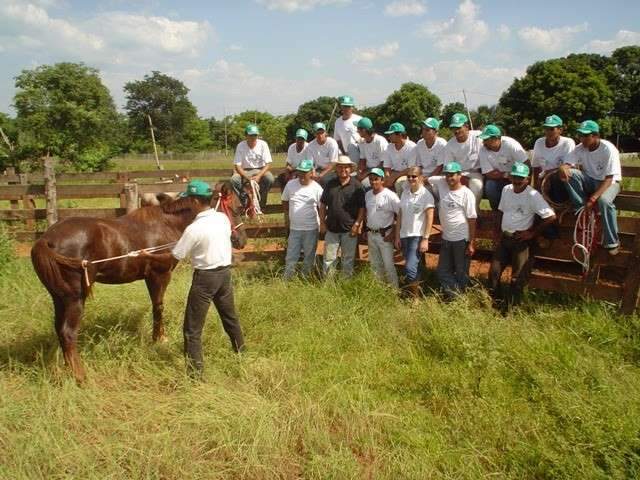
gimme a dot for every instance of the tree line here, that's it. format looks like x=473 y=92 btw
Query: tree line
x=65 y=110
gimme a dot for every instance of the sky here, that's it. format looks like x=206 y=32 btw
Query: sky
x=273 y=55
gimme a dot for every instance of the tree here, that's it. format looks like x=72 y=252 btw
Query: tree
x=409 y=105
x=165 y=100
x=318 y=110
x=626 y=86
x=449 y=109
x=8 y=145
x=483 y=115
x=569 y=87
x=272 y=129
x=64 y=109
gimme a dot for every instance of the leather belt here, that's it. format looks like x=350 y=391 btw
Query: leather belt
x=381 y=231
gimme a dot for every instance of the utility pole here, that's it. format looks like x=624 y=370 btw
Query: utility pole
x=466 y=105
x=153 y=139
x=226 y=152
x=6 y=140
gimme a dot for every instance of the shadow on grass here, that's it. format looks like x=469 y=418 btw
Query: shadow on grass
x=41 y=348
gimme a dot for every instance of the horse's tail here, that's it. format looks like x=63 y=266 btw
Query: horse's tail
x=47 y=263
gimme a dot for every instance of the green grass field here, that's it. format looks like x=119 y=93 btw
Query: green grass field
x=341 y=381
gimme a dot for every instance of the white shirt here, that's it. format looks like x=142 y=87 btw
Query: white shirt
x=519 y=209
x=294 y=157
x=454 y=209
x=602 y=162
x=251 y=158
x=373 y=152
x=381 y=208
x=551 y=158
x=509 y=153
x=429 y=158
x=466 y=153
x=398 y=160
x=346 y=130
x=303 y=204
x=206 y=241
x=413 y=206
x=323 y=155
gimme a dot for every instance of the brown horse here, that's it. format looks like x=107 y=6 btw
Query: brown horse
x=62 y=256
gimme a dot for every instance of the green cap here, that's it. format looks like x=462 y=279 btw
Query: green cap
x=302 y=133
x=589 y=126
x=553 y=121
x=452 y=167
x=319 y=126
x=396 y=127
x=346 y=101
x=490 y=131
x=377 y=171
x=365 y=123
x=458 y=120
x=519 y=170
x=199 y=188
x=430 y=122
x=251 y=129
x=305 y=165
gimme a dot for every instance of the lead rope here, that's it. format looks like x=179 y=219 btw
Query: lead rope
x=584 y=238
x=255 y=188
x=134 y=253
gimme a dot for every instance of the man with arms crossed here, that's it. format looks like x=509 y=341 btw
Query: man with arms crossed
x=398 y=157
x=429 y=150
x=372 y=147
x=323 y=150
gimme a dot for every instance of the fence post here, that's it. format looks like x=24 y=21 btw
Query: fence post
x=27 y=201
x=631 y=285
x=131 y=196
x=122 y=177
x=50 y=190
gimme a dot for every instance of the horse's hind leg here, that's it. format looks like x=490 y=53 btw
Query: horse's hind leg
x=157 y=284
x=68 y=312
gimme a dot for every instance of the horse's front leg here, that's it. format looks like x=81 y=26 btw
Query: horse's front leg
x=157 y=282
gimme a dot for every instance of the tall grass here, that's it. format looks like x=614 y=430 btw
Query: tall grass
x=342 y=380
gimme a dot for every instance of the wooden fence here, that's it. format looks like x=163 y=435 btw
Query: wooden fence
x=615 y=279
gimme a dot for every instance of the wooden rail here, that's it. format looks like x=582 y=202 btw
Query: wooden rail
x=615 y=279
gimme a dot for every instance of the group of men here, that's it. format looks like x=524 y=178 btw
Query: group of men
x=361 y=182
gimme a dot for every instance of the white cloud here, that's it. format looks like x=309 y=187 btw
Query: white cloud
x=109 y=37
x=401 y=8
x=483 y=84
x=462 y=33
x=315 y=63
x=235 y=48
x=290 y=6
x=552 y=40
x=621 y=39
x=368 y=55
x=504 y=32
x=237 y=87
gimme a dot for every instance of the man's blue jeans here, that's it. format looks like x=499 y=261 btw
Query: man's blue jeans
x=493 y=191
x=453 y=267
x=347 y=245
x=580 y=187
x=411 y=255
x=300 y=241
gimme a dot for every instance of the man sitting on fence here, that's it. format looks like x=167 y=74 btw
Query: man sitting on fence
x=295 y=154
x=300 y=202
x=372 y=148
x=398 y=157
x=252 y=162
x=597 y=181
x=519 y=204
x=324 y=151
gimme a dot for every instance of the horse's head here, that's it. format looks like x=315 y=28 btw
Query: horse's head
x=227 y=202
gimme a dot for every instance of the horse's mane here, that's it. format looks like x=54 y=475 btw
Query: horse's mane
x=179 y=205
